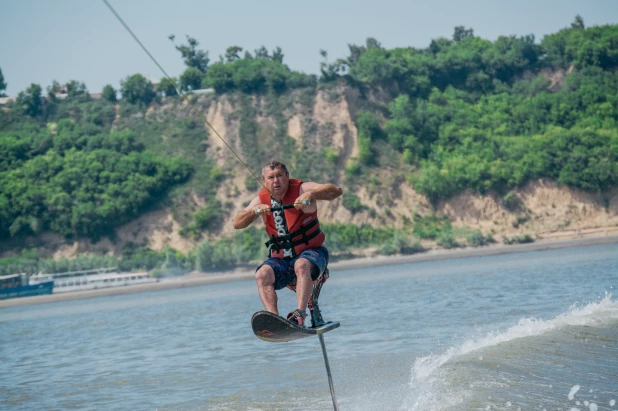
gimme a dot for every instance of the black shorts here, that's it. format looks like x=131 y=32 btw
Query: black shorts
x=284 y=268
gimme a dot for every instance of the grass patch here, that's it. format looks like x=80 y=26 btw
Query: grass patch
x=401 y=243
x=447 y=240
x=431 y=227
x=477 y=239
x=522 y=239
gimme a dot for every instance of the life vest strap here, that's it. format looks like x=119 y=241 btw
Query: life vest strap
x=286 y=241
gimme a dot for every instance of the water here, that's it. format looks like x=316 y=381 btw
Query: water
x=529 y=331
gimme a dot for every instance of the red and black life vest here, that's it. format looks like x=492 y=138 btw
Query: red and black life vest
x=291 y=231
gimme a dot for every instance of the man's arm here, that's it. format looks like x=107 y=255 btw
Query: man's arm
x=314 y=191
x=247 y=216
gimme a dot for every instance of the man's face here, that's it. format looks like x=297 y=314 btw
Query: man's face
x=276 y=181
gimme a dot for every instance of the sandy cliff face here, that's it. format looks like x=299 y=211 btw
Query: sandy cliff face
x=546 y=211
x=329 y=115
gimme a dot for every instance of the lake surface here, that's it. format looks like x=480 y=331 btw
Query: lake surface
x=528 y=331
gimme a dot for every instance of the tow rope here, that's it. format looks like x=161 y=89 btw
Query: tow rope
x=180 y=92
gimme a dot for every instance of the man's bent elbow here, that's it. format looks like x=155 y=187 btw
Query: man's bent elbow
x=238 y=224
x=338 y=192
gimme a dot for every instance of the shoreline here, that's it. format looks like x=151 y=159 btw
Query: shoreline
x=197 y=279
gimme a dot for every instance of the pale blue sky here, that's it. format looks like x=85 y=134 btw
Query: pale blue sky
x=43 y=40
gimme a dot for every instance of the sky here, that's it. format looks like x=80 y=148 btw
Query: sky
x=46 y=40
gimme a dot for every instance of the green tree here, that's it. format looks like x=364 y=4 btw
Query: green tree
x=330 y=71
x=461 y=33
x=368 y=130
x=76 y=89
x=2 y=84
x=372 y=43
x=137 y=89
x=30 y=100
x=193 y=57
x=262 y=53
x=191 y=79
x=578 y=23
x=277 y=55
x=167 y=87
x=399 y=129
x=357 y=51
x=232 y=54
x=221 y=77
x=53 y=89
x=109 y=93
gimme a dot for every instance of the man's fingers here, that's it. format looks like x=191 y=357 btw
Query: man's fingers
x=301 y=203
x=261 y=210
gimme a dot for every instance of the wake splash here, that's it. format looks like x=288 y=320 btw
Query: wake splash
x=429 y=391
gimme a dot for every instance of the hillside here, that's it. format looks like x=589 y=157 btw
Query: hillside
x=466 y=142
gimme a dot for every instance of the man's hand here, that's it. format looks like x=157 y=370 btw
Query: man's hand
x=303 y=201
x=250 y=214
x=313 y=191
x=262 y=209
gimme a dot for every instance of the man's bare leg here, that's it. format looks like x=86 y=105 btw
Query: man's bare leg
x=304 y=285
x=265 y=278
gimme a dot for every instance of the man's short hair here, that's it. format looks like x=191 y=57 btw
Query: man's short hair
x=273 y=165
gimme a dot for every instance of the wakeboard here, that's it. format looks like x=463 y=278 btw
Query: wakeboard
x=273 y=328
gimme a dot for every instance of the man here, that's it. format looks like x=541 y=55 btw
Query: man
x=296 y=250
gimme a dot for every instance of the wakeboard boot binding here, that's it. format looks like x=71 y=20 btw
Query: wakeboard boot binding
x=297 y=317
x=314 y=309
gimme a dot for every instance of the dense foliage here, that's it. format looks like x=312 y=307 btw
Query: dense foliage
x=76 y=176
x=481 y=115
x=255 y=75
x=258 y=72
x=137 y=89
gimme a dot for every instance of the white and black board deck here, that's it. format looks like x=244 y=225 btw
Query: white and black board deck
x=272 y=328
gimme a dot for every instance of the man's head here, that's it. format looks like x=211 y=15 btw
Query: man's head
x=276 y=178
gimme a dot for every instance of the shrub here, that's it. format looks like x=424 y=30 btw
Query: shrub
x=430 y=227
x=522 y=239
x=447 y=240
x=352 y=169
x=400 y=243
x=511 y=201
x=341 y=237
x=331 y=154
x=477 y=239
x=521 y=219
x=351 y=202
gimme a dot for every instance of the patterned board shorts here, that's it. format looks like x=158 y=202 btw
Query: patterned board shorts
x=284 y=268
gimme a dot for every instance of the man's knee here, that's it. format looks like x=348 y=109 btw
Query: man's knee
x=265 y=276
x=304 y=268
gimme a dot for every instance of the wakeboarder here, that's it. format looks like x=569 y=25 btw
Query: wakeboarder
x=297 y=254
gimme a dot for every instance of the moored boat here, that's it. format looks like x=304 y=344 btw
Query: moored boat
x=92 y=279
x=17 y=285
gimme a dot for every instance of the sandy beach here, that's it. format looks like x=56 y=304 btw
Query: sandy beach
x=197 y=279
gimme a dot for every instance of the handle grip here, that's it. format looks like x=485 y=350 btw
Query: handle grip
x=288 y=206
